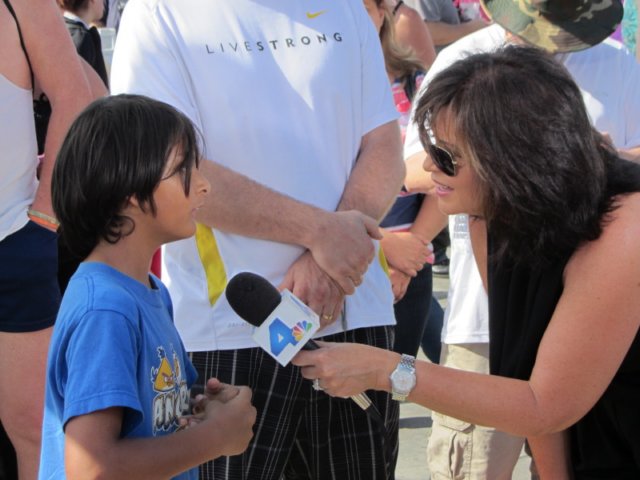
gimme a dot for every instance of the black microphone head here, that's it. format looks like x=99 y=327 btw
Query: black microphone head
x=252 y=297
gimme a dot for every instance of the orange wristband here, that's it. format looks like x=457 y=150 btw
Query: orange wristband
x=43 y=220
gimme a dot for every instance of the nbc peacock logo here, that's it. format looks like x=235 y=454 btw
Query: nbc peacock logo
x=300 y=329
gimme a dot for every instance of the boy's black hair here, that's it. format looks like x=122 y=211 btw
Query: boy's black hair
x=117 y=148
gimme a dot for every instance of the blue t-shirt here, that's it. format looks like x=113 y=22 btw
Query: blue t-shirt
x=114 y=345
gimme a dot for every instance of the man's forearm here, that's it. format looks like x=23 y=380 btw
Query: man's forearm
x=339 y=242
x=378 y=174
x=239 y=205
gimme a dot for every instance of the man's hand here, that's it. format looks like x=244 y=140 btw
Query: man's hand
x=307 y=281
x=342 y=247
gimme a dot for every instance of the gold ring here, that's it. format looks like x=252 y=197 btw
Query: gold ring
x=327 y=316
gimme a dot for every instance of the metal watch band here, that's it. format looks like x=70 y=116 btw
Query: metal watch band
x=406 y=366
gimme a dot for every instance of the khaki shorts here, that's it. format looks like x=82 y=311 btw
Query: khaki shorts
x=460 y=450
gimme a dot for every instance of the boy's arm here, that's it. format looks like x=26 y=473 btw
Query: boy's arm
x=94 y=449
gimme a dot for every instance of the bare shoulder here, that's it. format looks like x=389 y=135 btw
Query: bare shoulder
x=13 y=65
x=409 y=19
x=409 y=13
x=624 y=222
x=407 y=16
x=618 y=248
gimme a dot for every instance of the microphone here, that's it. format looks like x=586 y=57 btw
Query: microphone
x=254 y=299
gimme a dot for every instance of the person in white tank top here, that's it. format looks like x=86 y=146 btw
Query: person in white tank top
x=29 y=293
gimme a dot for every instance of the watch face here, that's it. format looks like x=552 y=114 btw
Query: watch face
x=403 y=380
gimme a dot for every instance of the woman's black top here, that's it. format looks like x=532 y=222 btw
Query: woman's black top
x=605 y=443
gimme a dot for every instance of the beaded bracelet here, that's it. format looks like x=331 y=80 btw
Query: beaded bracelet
x=43 y=219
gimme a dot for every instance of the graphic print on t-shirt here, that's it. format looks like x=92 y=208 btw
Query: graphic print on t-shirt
x=172 y=397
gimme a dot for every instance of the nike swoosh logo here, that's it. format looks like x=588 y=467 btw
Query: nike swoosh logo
x=312 y=15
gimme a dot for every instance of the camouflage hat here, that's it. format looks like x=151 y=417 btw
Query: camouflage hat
x=557 y=25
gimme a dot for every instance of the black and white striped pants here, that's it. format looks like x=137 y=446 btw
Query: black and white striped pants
x=300 y=433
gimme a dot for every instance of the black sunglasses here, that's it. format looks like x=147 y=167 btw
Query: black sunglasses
x=443 y=159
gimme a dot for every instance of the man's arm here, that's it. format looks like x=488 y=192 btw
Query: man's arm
x=340 y=242
x=372 y=187
x=144 y=62
x=378 y=174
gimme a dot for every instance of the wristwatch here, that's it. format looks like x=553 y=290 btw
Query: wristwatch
x=403 y=378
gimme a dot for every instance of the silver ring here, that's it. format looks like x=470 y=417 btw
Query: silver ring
x=316 y=385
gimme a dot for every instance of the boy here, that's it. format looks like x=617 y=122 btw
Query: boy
x=118 y=377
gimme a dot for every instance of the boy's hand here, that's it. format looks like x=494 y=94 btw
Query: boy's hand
x=233 y=417
x=214 y=390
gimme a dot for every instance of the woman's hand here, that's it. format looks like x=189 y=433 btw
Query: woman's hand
x=347 y=369
x=399 y=283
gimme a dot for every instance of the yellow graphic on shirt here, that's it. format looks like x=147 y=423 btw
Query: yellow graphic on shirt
x=165 y=380
x=172 y=398
x=211 y=262
x=383 y=261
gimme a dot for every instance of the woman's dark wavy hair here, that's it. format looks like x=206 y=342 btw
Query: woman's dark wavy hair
x=117 y=148
x=521 y=120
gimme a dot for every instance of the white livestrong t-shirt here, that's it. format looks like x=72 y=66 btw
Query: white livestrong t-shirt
x=609 y=79
x=283 y=92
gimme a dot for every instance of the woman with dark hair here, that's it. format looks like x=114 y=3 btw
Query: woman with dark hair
x=512 y=146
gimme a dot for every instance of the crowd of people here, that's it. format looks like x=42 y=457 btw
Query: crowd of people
x=325 y=147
